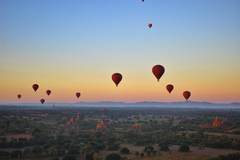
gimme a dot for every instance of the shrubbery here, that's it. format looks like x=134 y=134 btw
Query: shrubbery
x=184 y=148
x=234 y=156
x=125 y=150
x=113 y=156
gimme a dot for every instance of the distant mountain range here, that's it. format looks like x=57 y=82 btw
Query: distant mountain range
x=182 y=104
x=157 y=103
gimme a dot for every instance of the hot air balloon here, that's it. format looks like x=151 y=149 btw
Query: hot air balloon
x=158 y=71
x=35 y=87
x=42 y=100
x=19 y=96
x=78 y=94
x=116 y=77
x=48 y=92
x=150 y=25
x=186 y=94
x=169 y=87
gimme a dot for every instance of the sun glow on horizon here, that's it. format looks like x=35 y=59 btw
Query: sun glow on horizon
x=69 y=47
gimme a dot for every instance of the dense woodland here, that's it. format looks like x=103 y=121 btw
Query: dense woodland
x=90 y=133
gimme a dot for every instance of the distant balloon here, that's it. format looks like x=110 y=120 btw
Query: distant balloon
x=48 y=92
x=150 y=25
x=158 y=71
x=186 y=94
x=35 y=87
x=116 y=77
x=42 y=100
x=19 y=96
x=78 y=94
x=169 y=87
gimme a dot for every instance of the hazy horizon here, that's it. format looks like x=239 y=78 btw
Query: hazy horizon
x=123 y=102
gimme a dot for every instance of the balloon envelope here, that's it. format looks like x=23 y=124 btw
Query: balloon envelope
x=169 y=87
x=42 y=100
x=19 y=96
x=186 y=94
x=158 y=71
x=48 y=92
x=150 y=25
x=35 y=87
x=78 y=94
x=116 y=77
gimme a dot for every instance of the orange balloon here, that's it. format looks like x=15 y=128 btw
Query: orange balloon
x=158 y=71
x=116 y=77
x=78 y=94
x=186 y=94
x=169 y=87
x=35 y=87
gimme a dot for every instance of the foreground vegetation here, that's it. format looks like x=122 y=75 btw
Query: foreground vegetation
x=119 y=133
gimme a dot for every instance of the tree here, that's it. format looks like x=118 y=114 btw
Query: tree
x=113 y=147
x=16 y=154
x=184 y=148
x=149 y=150
x=113 y=156
x=154 y=153
x=137 y=153
x=69 y=157
x=125 y=150
x=89 y=156
x=37 y=150
x=74 y=150
x=233 y=156
x=98 y=146
x=164 y=147
x=4 y=154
